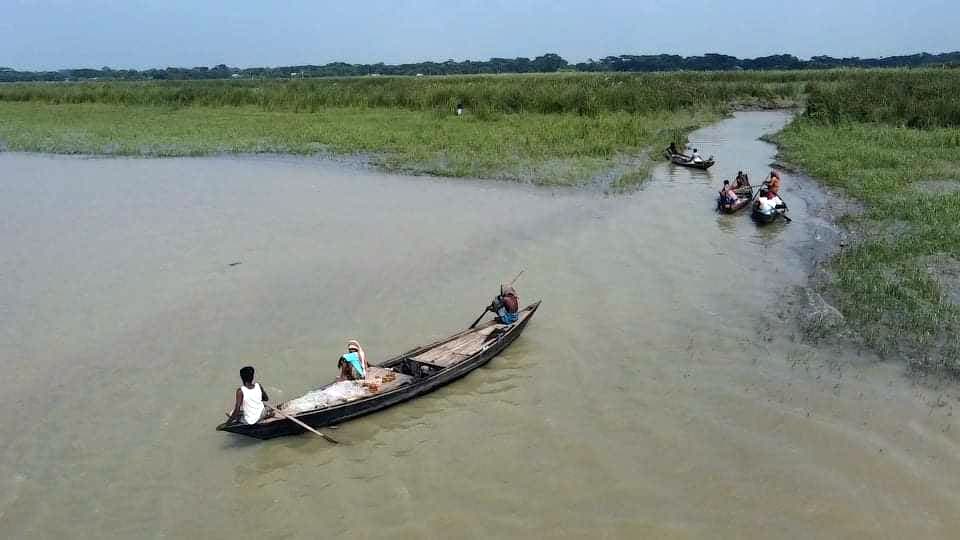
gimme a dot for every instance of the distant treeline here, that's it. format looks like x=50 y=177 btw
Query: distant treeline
x=547 y=63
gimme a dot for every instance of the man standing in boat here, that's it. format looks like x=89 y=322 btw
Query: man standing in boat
x=250 y=400
x=773 y=183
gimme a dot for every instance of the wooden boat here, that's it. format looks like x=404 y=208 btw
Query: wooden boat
x=763 y=219
x=403 y=377
x=745 y=197
x=683 y=161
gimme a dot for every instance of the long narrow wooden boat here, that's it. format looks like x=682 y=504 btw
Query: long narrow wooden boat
x=684 y=162
x=403 y=377
x=745 y=195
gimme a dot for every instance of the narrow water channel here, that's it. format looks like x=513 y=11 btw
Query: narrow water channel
x=656 y=394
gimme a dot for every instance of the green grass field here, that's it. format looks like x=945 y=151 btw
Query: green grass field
x=899 y=285
x=563 y=129
x=557 y=149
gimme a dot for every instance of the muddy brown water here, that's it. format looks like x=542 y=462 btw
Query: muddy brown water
x=654 y=395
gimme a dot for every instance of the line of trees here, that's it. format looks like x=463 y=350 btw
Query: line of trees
x=547 y=63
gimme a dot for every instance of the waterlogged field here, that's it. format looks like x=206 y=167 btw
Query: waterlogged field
x=892 y=141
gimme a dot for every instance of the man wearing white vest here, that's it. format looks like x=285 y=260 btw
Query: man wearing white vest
x=249 y=406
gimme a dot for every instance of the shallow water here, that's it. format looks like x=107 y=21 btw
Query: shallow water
x=652 y=395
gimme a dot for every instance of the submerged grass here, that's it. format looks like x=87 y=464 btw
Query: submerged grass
x=886 y=284
x=565 y=149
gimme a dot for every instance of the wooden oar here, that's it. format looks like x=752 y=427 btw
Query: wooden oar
x=783 y=214
x=301 y=424
x=485 y=310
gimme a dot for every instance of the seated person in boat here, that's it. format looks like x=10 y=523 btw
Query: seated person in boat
x=742 y=185
x=773 y=183
x=695 y=157
x=673 y=149
x=768 y=202
x=728 y=197
x=251 y=396
x=506 y=306
x=353 y=364
x=741 y=181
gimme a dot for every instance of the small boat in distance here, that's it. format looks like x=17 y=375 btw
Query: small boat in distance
x=684 y=161
x=403 y=377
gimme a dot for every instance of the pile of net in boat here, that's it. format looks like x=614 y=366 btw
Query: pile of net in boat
x=334 y=394
x=378 y=380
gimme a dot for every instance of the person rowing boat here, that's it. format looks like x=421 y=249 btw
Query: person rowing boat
x=773 y=183
x=506 y=305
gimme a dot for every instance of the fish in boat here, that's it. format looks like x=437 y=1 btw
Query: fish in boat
x=398 y=379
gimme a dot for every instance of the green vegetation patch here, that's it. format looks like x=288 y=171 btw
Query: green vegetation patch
x=562 y=129
x=584 y=94
x=891 y=284
x=559 y=149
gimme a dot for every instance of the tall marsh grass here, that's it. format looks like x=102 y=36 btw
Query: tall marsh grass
x=585 y=94
x=911 y=98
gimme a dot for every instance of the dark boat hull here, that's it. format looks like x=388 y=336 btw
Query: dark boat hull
x=763 y=219
x=353 y=409
x=682 y=161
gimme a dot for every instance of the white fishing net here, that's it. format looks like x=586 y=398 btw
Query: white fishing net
x=336 y=393
x=378 y=380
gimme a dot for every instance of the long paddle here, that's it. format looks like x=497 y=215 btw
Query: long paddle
x=485 y=310
x=783 y=214
x=301 y=424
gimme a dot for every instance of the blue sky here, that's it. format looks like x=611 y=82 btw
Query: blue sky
x=52 y=34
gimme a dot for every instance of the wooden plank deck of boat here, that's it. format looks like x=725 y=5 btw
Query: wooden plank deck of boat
x=458 y=349
x=463 y=347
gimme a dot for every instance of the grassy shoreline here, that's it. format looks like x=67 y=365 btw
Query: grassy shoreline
x=554 y=149
x=898 y=284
